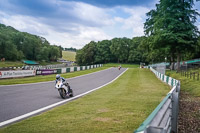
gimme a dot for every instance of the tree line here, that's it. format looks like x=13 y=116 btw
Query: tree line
x=70 y=49
x=123 y=50
x=170 y=35
x=16 y=45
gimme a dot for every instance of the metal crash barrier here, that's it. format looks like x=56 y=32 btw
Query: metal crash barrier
x=164 y=118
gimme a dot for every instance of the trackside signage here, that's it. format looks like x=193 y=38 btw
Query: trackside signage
x=13 y=74
x=46 y=72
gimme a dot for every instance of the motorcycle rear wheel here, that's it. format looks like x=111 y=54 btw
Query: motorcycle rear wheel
x=70 y=91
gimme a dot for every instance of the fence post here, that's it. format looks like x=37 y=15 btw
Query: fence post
x=198 y=76
x=190 y=75
x=175 y=108
x=187 y=74
x=172 y=82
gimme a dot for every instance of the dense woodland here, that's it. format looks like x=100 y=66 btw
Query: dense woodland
x=170 y=35
x=16 y=45
x=123 y=50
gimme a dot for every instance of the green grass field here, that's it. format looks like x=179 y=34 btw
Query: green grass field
x=68 y=55
x=122 y=65
x=118 y=107
x=187 y=84
x=11 y=64
x=20 y=63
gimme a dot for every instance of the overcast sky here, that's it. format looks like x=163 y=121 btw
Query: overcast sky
x=74 y=23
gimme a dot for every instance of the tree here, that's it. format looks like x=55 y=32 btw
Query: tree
x=171 y=26
x=120 y=48
x=103 y=53
x=135 y=53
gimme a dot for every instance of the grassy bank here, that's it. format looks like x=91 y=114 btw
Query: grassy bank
x=11 y=64
x=189 y=104
x=189 y=85
x=68 y=55
x=20 y=63
x=119 y=107
x=42 y=78
x=123 y=65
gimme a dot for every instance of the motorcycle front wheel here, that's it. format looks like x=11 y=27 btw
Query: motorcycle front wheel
x=62 y=93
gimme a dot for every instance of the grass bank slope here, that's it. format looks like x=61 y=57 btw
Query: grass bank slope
x=122 y=65
x=11 y=64
x=69 y=55
x=118 y=107
x=188 y=85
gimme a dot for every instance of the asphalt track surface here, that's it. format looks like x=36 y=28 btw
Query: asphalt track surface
x=17 y=100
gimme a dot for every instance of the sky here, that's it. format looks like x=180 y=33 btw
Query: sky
x=74 y=23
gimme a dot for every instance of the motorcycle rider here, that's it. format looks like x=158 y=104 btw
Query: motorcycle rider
x=58 y=77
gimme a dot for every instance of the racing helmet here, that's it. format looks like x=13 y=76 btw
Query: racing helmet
x=57 y=76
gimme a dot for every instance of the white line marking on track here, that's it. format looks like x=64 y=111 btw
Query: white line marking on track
x=55 y=104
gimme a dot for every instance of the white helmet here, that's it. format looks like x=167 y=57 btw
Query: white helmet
x=57 y=76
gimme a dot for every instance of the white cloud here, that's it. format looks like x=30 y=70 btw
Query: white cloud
x=135 y=21
x=85 y=35
x=24 y=23
x=59 y=31
x=75 y=24
x=92 y=14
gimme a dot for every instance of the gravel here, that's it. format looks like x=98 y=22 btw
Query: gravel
x=189 y=113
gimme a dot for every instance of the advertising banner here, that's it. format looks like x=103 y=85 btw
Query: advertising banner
x=46 y=72
x=17 y=73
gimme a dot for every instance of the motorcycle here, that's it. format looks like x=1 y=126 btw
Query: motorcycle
x=64 y=91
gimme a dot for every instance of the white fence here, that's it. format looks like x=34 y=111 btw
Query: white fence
x=24 y=73
x=164 y=118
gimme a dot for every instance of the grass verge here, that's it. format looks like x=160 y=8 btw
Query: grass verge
x=43 y=78
x=189 y=85
x=69 y=55
x=11 y=64
x=20 y=63
x=189 y=104
x=118 y=107
x=123 y=65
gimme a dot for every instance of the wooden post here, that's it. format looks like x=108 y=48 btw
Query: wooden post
x=198 y=76
x=193 y=75
x=190 y=75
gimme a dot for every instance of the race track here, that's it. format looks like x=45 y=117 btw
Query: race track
x=17 y=100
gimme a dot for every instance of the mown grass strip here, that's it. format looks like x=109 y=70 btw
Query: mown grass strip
x=20 y=63
x=11 y=64
x=122 y=65
x=119 y=107
x=69 y=55
x=42 y=78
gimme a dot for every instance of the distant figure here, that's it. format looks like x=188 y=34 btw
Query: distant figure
x=120 y=67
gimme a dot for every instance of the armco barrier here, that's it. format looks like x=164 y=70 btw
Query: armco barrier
x=164 y=118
